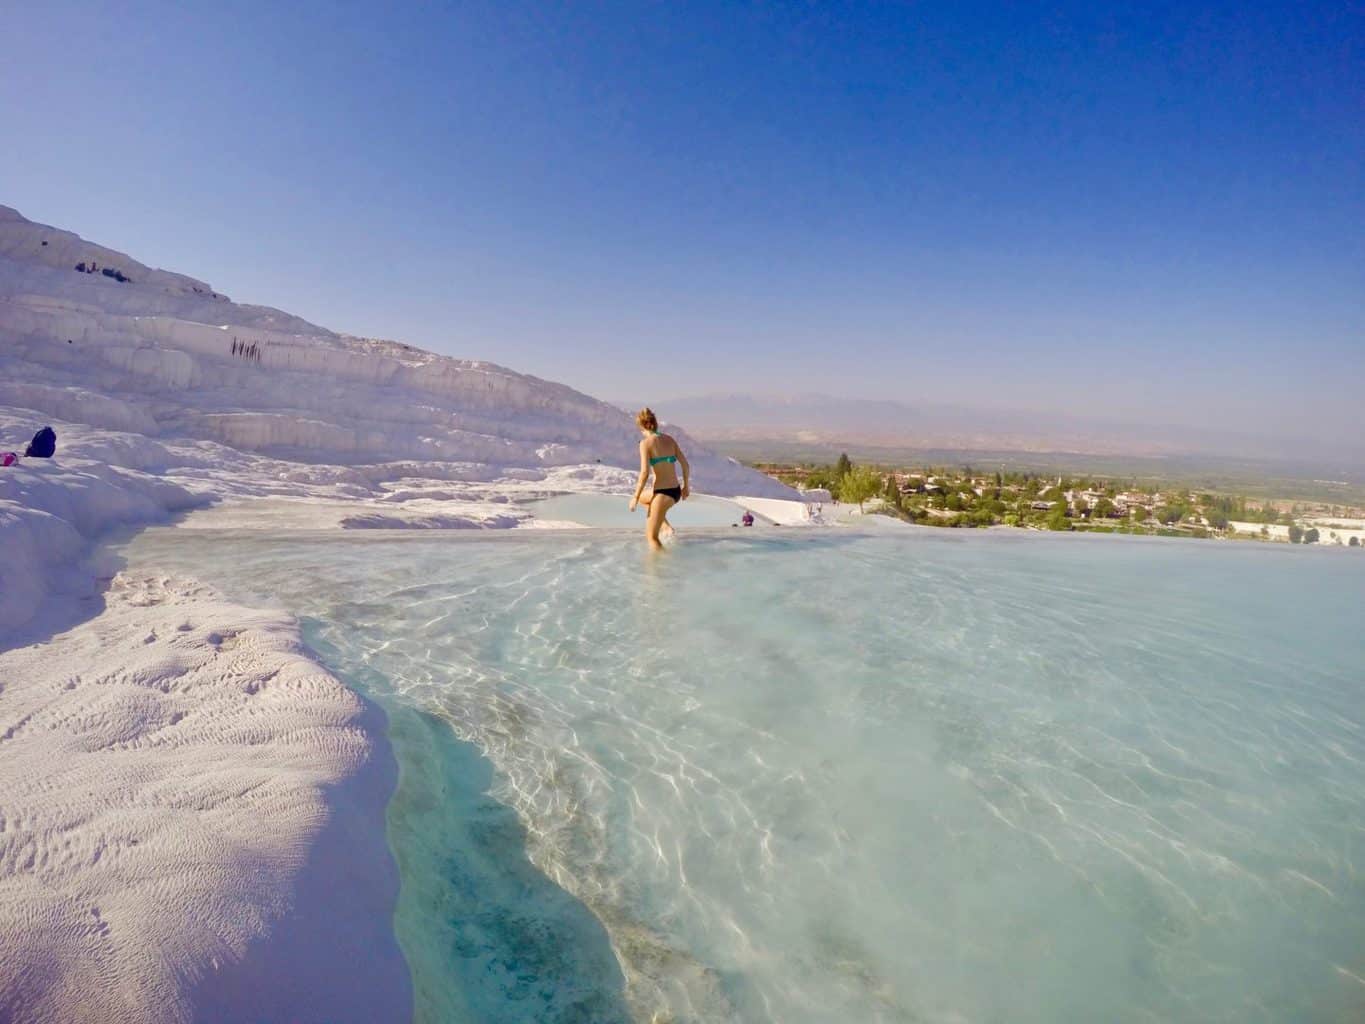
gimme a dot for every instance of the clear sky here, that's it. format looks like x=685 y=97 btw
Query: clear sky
x=1140 y=210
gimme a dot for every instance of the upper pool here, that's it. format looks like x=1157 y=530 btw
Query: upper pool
x=813 y=776
x=612 y=510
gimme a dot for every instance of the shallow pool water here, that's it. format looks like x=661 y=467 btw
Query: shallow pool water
x=613 y=510
x=795 y=776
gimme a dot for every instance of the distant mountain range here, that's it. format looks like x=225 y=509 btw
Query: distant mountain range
x=823 y=420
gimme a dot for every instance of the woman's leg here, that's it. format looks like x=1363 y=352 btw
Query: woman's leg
x=658 y=508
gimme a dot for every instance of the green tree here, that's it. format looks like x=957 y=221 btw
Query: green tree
x=1140 y=514
x=859 y=484
x=1056 y=519
x=953 y=502
x=1295 y=533
x=1171 y=514
x=893 y=491
x=843 y=466
x=1104 y=507
x=1311 y=535
x=1354 y=542
x=823 y=476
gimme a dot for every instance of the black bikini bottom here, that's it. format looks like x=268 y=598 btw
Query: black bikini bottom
x=673 y=492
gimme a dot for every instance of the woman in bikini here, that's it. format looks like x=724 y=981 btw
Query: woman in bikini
x=660 y=453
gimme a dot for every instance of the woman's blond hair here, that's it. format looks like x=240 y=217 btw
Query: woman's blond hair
x=646 y=419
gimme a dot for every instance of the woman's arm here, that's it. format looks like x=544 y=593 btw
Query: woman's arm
x=686 y=469
x=644 y=475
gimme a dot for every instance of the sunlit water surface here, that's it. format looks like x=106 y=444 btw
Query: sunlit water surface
x=795 y=777
x=614 y=510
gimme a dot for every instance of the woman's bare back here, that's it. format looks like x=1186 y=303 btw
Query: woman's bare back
x=660 y=447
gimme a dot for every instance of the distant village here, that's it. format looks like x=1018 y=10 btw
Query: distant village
x=971 y=499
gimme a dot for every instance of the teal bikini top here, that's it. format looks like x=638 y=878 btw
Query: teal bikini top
x=662 y=458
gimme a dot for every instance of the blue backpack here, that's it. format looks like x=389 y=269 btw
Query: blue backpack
x=42 y=446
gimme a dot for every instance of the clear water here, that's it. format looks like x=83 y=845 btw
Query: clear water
x=789 y=777
x=613 y=510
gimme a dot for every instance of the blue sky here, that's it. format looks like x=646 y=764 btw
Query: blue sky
x=1150 y=211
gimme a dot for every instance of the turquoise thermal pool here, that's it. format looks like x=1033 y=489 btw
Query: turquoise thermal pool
x=812 y=776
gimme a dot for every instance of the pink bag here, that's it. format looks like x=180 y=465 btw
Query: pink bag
x=9 y=458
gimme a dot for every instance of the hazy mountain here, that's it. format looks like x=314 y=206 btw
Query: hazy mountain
x=817 y=419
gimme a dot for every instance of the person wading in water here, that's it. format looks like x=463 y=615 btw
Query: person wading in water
x=660 y=453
